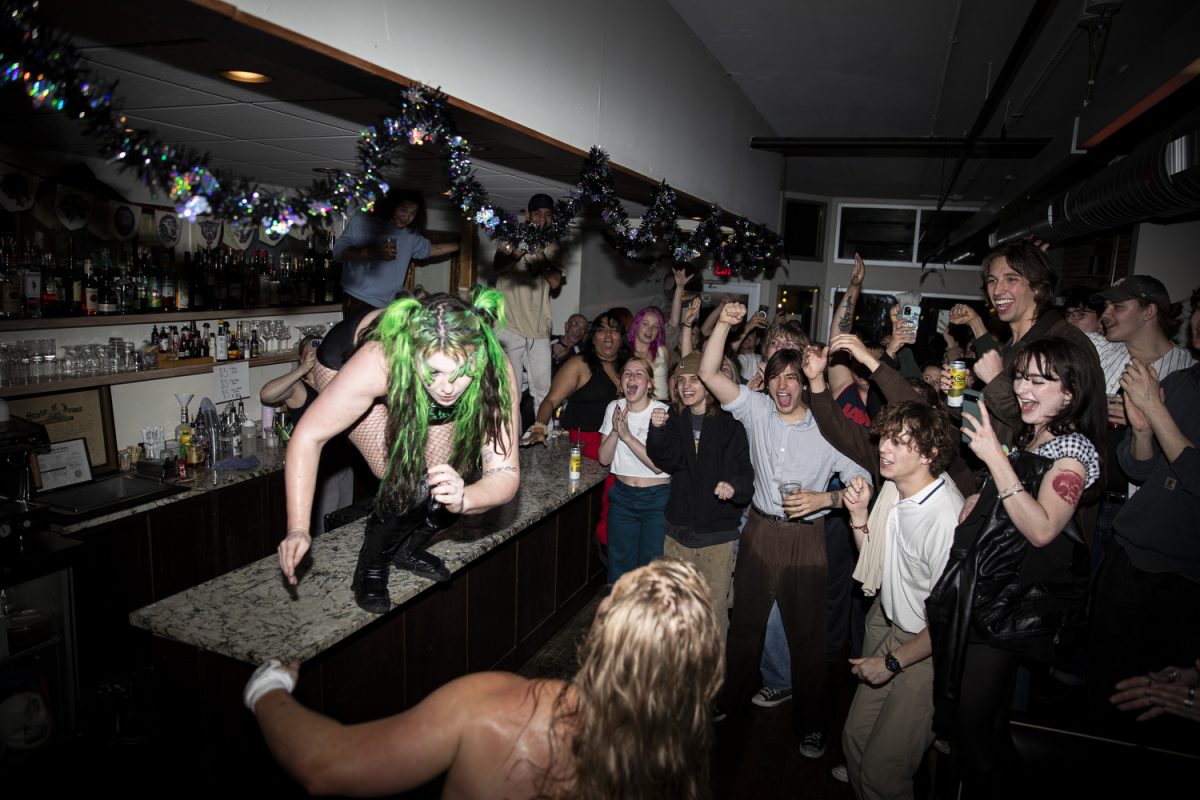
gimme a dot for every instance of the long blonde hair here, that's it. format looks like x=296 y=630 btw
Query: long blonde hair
x=650 y=667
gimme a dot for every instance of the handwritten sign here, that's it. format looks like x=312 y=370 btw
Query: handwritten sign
x=232 y=381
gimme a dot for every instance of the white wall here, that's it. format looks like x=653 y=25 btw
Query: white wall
x=627 y=75
x=1170 y=253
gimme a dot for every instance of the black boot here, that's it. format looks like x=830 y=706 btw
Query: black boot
x=412 y=556
x=371 y=575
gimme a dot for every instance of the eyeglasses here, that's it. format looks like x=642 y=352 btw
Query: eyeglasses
x=1078 y=313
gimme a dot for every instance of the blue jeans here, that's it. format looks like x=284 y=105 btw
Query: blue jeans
x=635 y=526
x=776 y=663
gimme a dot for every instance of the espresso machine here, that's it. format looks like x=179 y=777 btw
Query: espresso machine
x=19 y=517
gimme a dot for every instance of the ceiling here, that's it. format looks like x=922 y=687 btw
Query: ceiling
x=282 y=133
x=857 y=71
x=848 y=74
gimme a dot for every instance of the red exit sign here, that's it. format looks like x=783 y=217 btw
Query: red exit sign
x=722 y=270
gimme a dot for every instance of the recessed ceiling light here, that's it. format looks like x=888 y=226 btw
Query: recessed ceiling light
x=245 y=76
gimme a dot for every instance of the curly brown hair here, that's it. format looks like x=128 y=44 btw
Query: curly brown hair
x=928 y=428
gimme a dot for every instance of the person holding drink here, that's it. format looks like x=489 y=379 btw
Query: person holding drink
x=782 y=552
x=376 y=248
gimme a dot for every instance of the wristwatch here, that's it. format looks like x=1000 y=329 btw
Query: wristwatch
x=892 y=663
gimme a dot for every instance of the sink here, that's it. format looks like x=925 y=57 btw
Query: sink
x=105 y=495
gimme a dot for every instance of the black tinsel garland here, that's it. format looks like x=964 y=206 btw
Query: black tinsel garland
x=48 y=66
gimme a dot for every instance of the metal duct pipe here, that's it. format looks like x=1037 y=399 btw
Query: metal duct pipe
x=1159 y=179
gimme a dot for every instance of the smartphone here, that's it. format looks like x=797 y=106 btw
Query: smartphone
x=762 y=310
x=970 y=408
x=943 y=322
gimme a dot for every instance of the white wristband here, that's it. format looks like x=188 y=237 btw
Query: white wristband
x=270 y=675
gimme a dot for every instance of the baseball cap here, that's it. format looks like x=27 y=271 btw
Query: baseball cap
x=539 y=201
x=1137 y=287
x=689 y=364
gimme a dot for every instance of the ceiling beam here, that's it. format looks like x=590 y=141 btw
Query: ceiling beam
x=898 y=147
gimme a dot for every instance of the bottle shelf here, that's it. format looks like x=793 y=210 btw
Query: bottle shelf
x=170 y=317
x=69 y=384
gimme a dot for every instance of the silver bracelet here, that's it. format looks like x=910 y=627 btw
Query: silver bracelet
x=1009 y=492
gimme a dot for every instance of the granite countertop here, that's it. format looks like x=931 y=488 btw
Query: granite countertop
x=270 y=459
x=251 y=614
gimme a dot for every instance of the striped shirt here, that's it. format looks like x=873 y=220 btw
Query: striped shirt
x=1114 y=356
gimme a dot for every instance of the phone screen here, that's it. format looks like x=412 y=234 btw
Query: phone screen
x=943 y=321
x=970 y=408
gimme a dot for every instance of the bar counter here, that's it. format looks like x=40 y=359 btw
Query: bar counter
x=251 y=614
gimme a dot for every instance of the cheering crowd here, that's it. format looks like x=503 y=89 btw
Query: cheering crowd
x=821 y=503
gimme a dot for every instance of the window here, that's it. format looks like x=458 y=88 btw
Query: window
x=804 y=230
x=872 y=321
x=895 y=235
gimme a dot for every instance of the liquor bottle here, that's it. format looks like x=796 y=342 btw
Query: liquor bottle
x=52 y=287
x=234 y=347
x=167 y=287
x=250 y=279
x=141 y=288
x=10 y=284
x=233 y=279
x=255 y=342
x=153 y=285
x=183 y=282
x=207 y=341
x=220 y=342
x=91 y=289
x=106 y=295
x=31 y=279
x=198 y=300
x=213 y=289
x=263 y=268
x=332 y=278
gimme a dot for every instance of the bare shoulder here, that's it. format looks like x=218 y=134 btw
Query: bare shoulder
x=510 y=744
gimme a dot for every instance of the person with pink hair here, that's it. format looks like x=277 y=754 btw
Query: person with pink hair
x=647 y=339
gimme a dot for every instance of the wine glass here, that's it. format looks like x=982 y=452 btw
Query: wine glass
x=285 y=334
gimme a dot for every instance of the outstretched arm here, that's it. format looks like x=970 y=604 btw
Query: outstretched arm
x=382 y=757
x=725 y=390
x=344 y=400
x=843 y=315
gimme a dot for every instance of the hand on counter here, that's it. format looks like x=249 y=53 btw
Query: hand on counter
x=291 y=552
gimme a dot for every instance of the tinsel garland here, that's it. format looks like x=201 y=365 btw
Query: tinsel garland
x=48 y=66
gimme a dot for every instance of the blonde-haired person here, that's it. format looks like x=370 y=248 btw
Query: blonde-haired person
x=639 y=494
x=650 y=667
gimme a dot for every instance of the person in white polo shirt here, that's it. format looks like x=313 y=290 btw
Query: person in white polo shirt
x=890 y=724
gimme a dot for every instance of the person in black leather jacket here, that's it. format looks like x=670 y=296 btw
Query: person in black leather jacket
x=1017 y=578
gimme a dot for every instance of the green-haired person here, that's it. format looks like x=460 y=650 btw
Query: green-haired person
x=450 y=407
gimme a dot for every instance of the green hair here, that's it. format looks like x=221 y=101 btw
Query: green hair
x=409 y=331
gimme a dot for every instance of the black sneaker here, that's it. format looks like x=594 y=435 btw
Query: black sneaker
x=766 y=697
x=813 y=745
x=423 y=563
x=371 y=589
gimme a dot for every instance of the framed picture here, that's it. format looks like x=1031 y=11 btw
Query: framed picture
x=81 y=414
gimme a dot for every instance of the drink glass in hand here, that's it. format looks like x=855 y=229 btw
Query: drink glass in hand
x=1116 y=412
x=789 y=488
x=389 y=244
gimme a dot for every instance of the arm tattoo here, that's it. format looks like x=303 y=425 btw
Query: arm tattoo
x=848 y=303
x=1069 y=487
x=501 y=468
